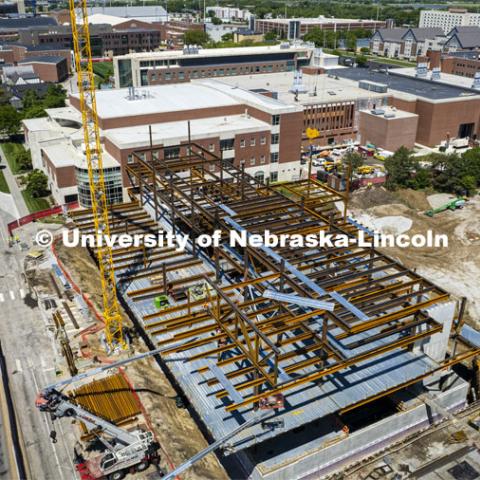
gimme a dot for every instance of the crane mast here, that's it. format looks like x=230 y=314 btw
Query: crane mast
x=93 y=152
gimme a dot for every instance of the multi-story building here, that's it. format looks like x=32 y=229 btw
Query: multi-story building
x=229 y=14
x=293 y=28
x=463 y=64
x=448 y=19
x=330 y=105
x=447 y=108
x=463 y=39
x=156 y=68
x=10 y=28
x=406 y=42
x=106 y=40
x=262 y=134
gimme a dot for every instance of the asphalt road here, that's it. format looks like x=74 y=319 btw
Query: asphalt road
x=29 y=354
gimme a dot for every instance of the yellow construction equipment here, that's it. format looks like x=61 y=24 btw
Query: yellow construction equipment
x=93 y=151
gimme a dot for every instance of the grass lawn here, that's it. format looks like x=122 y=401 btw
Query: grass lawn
x=35 y=204
x=10 y=150
x=103 y=69
x=3 y=183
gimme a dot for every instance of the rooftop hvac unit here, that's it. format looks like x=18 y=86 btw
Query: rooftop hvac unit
x=390 y=115
x=377 y=111
x=435 y=74
x=373 y=86
x=476 y=81
x=421 y=71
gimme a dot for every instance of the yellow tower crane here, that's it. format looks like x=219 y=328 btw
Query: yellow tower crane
x=93 y=151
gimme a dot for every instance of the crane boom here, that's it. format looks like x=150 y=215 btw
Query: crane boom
x=93 y=152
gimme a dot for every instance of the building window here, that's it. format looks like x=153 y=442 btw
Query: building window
x=242 y=143
x=275 y=119
x=211 y=147
x=171 y=152
x=168 y=76
x=252 y=142
x=227 y=144
x=274 y=176
x=262 y=158
x=130 y=159
x=263 y=140
x=274 y=157
x=260 y=176
x=252 y=161
x=274 y=139
x=181 y=75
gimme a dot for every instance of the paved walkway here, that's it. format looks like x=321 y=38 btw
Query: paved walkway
x=14 y=189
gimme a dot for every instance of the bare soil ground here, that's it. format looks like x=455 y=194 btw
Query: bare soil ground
x=176 y=431
x=456 y=268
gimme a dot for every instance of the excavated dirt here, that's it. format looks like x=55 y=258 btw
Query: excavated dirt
x=456 y=268
x=175 y=429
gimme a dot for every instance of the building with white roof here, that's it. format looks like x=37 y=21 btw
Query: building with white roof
x=259 y=132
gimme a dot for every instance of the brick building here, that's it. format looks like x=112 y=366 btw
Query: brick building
x=447 y=108
x=49 y=69
x=13 y=53
x=157 y=68
x=261 y=133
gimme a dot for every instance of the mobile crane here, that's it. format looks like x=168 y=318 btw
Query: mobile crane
x=126 y=451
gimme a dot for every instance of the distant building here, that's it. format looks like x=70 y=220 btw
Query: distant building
x=243 y=34
x=156 y=68
x=406 y=43
x=229 y=14
x=463 y=39
x=10 y=28
x=20 y=75
x=48 y=68
x=13 y=53
x=448 y=19
x=294 y=28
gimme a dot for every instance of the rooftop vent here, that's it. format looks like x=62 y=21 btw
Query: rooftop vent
x=435 y=74
x=476 y=81
x=421 y=71
x=298 y=86
x=191 y=49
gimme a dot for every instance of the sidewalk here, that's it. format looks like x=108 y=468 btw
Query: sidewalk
x=14 y=190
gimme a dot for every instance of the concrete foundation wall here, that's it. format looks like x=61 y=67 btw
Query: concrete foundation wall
x=314 y=459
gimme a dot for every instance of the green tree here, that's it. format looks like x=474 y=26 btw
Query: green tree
x=196 y=37
x=23 y=159
x=55 y=97
x=227 y=37
x=354 y=159
x=361 y=60
x=216 y=21
x=423 y=179
x=365 y=50
x=401 y=167
x=37 y=183
x=9 y=120
x=351 y=41
x=270 y=36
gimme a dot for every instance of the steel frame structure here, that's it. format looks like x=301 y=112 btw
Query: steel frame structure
x=264 y=347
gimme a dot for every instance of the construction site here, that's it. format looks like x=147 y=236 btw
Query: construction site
x=269 y=363
x=216 y=360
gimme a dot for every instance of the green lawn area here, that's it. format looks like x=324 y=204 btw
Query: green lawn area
x=103 y=69
x=34 y=204
x=3 y=183
x=10 y=150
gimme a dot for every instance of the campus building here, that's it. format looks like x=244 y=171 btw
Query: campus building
x=294 y=28
x=448 y=19
x=157 y=68
x=260 y=134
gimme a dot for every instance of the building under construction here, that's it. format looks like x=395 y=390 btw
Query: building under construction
x=246 y=331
